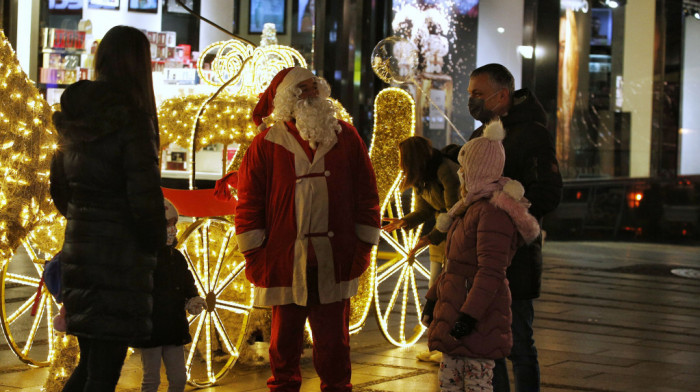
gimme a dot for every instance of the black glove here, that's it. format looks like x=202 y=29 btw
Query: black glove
x=427 y=316
x=464 y=326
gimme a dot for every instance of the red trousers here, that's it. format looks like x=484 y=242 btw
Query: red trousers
x=331 y=351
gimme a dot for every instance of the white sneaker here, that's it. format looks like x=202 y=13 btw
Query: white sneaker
x=436 y=357
x=430 y=356
x=424 y=356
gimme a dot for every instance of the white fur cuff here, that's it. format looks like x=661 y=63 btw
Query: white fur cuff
x=250 y=239
x=367 y=233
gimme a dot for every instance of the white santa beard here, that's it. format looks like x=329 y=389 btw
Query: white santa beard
x=315 y=120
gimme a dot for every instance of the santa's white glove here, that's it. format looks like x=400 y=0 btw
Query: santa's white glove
x=195 y=305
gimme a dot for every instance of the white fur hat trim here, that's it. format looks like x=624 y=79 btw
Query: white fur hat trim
x=494 y=131
x=514 y=189
x=294 y=77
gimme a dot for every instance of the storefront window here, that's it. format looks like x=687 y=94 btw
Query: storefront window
x=620 y=105
x=622 y=90
x=593 y=134
x=443 y=35
x=690 y=95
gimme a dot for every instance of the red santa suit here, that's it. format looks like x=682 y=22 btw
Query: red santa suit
x=306 y=221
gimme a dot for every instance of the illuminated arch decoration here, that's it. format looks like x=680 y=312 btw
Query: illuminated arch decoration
x=242 y=69
x=249 y=77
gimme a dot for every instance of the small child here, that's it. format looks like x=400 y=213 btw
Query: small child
x=52 y=280
x=468 y=308
x=174 y=292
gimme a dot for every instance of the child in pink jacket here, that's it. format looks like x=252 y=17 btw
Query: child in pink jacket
x=468 y=309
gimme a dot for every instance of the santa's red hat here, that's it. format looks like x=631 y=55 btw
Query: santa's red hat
x=286 y=78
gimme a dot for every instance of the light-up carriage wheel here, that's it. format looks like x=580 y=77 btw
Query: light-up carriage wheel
x=27 y=311
x=398 y=278
x=211 y=251
x=400 y=281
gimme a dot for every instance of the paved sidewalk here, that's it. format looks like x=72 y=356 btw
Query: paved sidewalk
x=612 y=317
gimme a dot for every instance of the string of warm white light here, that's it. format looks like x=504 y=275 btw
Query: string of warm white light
x=27 y=142
x=211 y=252
x=253 y=79
x=67 y=355
x=394 y=120
x=226 y=120
x=394 y=111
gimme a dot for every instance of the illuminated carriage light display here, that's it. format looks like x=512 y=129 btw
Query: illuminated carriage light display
x=209 y=242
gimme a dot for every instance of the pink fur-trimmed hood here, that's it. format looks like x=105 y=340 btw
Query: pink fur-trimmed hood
x=511 y=200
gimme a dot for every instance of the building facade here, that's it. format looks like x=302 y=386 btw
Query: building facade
x=619 y=80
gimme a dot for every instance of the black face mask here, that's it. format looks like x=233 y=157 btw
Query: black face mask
x=477 y=108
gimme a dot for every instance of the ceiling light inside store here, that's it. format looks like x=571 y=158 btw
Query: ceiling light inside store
x=696 y=15
x=612 y=3
x=501 y=30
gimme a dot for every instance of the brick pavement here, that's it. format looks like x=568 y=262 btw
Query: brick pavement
x=612 y=317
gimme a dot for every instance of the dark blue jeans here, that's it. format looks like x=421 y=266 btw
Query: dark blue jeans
x=526 y=368
x=99 y=367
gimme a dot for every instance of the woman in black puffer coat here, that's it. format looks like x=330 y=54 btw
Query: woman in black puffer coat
x=105 y=180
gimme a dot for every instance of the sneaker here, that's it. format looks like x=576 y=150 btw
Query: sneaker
x=425 y=356
x=436 y=357
x=430 y=356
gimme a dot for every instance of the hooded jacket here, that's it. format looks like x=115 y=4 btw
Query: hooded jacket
x=173 y=286
x=531 y=160
x=105 y=180
x=480 y=245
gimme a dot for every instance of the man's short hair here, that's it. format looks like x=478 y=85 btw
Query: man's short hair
x=499 y=76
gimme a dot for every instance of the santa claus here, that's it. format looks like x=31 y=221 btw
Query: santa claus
x=306 y=219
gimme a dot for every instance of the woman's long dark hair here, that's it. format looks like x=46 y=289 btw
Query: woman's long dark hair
x=124 y=58
x=416 y=154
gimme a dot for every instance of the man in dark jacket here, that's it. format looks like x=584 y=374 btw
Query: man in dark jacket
x=530 y=159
